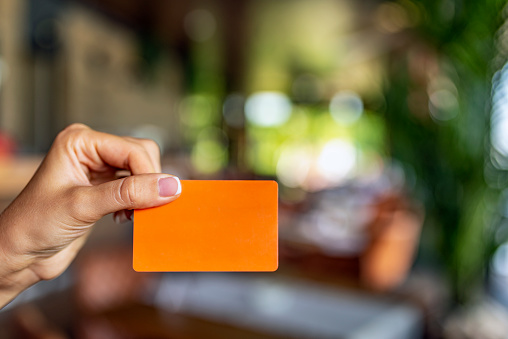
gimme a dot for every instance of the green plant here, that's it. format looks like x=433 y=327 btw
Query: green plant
x=437 y=118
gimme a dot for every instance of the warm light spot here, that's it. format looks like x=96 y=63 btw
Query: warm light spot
x=337 y=160
x=294 y=164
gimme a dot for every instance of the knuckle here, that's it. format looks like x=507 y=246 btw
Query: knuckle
x=151 y=145
x=126 y=194
x=71 y=132
x=77 y=126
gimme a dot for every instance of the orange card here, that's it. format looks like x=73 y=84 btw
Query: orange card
x=213 y=226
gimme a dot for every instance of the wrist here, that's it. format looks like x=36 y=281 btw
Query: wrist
x=15 y=275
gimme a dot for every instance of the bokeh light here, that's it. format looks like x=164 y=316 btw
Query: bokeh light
x=209 y=154
x=294 y=164
x=346 y=107
x=499 y=120
x=500 y=261
x=268 y=109
x=198 y=111
x=443 y=105
x=337 y=160
x=443 y=101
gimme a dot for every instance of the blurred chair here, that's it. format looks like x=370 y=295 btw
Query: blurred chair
x=395 y=233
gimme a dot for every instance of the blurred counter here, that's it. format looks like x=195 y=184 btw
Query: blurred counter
x=15 y=172
x=284 y=307
x=221 y=305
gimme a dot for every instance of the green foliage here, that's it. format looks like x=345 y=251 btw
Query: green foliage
x=311 y=127
x=449 y=156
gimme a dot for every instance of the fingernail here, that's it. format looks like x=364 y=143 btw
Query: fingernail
x=169 y=187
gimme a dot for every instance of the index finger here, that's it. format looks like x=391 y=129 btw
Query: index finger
x=98 y=151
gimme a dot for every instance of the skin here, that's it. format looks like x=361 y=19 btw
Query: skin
x=47 y=224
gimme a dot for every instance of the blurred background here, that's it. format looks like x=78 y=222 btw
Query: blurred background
x=385 y=124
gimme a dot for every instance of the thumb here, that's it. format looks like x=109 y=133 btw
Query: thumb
x=133 y=192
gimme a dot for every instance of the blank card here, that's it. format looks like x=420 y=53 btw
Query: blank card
x=221 y=225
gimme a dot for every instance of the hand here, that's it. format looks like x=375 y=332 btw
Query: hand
x=46 y=225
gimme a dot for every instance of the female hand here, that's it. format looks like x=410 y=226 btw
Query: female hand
x=46 y=225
